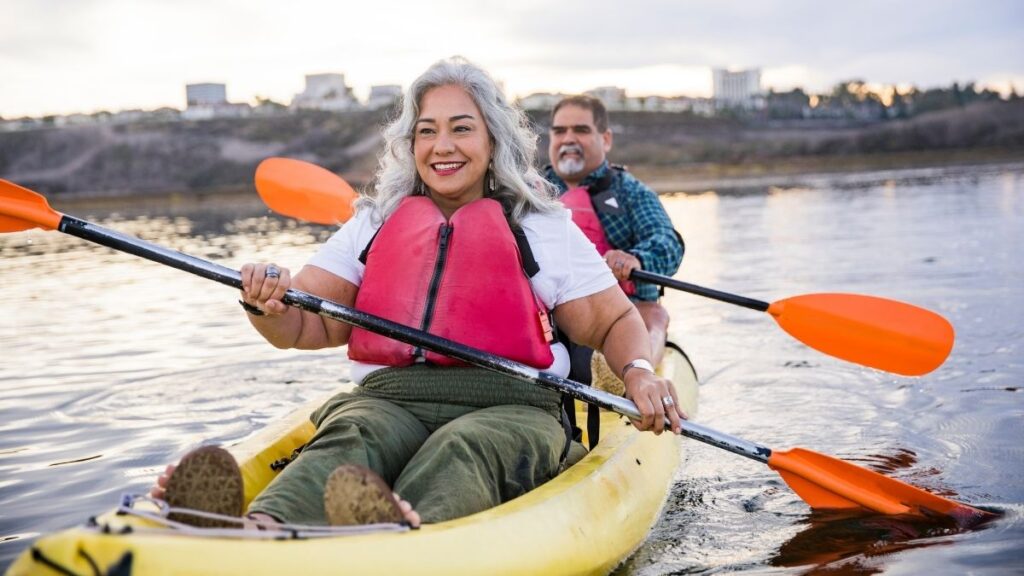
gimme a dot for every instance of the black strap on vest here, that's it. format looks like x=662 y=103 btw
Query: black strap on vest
x=568 y=428
x=529 y=263
x=366 y=250
x=604 y=182
x=579 y=370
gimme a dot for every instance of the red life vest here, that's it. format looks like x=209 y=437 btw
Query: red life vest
x=577 y=200
x=460 y=279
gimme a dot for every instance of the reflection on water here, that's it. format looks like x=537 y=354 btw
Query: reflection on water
x=854 y=542
x=113 y=366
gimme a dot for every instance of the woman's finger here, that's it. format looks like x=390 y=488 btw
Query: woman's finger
x=273 y=276
x=275 y=304
x=246 y=274
x=659 y=412
x=649 y=413
x=672 y=410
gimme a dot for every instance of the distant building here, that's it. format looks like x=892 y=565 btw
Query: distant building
x=794 y=104
x=209 y=100
x=699 y=106
x=77 y=119
x=206 y=94
x=613 y=97
x=740 y=89
x=540 y=101
x=325 y=92
x=383 y=96
x=23 y=123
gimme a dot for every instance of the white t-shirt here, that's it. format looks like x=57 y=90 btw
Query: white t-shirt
x=570 y=267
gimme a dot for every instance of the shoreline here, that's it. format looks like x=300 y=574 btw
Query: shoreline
x=809 y=171
x=687 y=179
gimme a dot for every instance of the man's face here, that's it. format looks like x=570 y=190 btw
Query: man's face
x=577 y=148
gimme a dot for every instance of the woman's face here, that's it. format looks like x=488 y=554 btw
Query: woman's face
x=452 y=147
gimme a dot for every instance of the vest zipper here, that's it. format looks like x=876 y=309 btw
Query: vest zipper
x=435 y=281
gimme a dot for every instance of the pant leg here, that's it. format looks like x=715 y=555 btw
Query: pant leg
x=351 y=429
x=482 y=459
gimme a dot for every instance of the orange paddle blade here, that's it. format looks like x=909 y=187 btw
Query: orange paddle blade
x=305 y=191
x=877 y=332
x=826 y=482
x=23 y=209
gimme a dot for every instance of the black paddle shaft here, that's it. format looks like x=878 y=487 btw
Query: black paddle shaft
x=641 y=276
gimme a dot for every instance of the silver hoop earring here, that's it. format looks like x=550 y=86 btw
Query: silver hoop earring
x=490 y=177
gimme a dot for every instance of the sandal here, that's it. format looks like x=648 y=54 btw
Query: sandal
x=356 y=495
x=207 y=480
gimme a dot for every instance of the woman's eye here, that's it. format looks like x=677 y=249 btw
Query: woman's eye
x=425 y=131
x=463 y=129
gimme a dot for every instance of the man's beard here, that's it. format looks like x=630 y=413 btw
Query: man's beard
x=573 y=165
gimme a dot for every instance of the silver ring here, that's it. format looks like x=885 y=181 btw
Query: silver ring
x=668 y=401
x=273 y=272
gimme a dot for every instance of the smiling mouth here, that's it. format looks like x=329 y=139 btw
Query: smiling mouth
x=570 y=150
x=444 y=168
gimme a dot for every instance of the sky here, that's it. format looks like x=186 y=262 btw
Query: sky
x=65 y=56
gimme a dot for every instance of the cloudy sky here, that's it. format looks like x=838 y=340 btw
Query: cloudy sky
x=62 y=56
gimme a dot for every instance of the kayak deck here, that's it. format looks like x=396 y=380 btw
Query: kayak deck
x=585 y=521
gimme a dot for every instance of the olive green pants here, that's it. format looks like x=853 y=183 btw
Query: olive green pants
x=451 y=441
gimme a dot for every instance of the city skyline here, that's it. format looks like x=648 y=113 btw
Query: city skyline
x=59 y=57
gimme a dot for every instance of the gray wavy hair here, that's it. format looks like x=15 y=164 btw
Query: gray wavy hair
x=518 y=185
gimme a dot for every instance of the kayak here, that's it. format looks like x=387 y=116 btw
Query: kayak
x=587 y=520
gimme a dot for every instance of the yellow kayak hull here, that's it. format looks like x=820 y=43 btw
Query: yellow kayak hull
x=586 y=521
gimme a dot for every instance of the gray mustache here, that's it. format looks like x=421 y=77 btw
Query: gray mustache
x=564 y=148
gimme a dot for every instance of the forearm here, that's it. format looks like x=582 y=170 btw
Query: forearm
x=281 y=331
x=606 y=321
x=609 y=322
x=288 y=327
x=626 y=340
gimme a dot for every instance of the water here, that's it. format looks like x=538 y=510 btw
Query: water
x=112 y=366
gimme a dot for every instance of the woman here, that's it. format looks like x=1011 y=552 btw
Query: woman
x=444 y=243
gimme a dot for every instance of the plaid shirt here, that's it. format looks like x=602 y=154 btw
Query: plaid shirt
x=643 y=229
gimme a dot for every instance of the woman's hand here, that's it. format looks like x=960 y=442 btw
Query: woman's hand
x=655 y=397
x=264 y=285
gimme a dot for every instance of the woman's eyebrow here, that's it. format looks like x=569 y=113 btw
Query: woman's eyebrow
x=452 y=119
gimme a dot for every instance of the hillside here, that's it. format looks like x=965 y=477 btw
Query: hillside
x=181 y=157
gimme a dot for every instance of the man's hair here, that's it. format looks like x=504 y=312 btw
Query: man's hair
x=595 y=106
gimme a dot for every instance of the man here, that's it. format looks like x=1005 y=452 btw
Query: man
x=637 y=232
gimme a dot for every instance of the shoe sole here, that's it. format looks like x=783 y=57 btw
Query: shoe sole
x=356 y=495
x=207 y=479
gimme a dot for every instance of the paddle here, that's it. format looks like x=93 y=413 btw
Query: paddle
x=875 y=332
x=821 y=481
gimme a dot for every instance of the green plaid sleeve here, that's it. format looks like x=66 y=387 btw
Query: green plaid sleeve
x=645 y=230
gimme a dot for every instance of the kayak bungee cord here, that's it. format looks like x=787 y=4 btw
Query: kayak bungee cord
x=265 y=530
